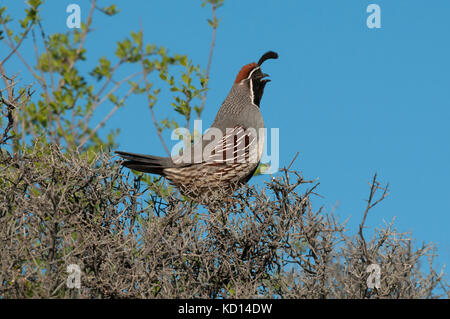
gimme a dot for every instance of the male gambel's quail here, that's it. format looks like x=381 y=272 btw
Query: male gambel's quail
x=221 y=166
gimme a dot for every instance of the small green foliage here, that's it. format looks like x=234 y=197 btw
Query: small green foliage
x=102 y=70
x=31 y=14
x=215 y=3
x=188 y=93
x=111 y=10
x=129 y=50
x=262 y=167
x=4 y=19
x=68 y=97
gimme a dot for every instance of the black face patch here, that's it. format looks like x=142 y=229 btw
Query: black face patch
x=257 y=85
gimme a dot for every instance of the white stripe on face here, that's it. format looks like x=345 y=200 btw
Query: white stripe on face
x=252 y=95
x=250 y=74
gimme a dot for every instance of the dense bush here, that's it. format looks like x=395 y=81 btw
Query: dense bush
x=58 y=209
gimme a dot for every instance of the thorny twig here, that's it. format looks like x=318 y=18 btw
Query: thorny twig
x=375 y=186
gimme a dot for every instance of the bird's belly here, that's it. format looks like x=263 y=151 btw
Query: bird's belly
x=210 y=180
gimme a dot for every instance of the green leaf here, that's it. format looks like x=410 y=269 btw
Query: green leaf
x=186 y=79
x=111 y=10
x=262 y=167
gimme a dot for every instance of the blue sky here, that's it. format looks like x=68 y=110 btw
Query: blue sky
x=351 y=100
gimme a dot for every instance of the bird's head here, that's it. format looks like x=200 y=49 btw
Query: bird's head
x=252 y=76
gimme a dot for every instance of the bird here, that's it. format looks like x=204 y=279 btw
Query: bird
x=215 y=169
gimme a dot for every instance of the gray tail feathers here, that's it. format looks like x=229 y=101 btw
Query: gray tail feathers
x=146 y=163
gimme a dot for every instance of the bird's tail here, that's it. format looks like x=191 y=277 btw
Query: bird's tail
x=146 y=163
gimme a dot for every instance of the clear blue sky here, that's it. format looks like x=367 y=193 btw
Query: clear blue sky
x=353 y=101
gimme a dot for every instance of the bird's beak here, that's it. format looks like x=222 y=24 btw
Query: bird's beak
x=264 y=75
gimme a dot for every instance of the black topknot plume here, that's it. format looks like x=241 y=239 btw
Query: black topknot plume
x=266 y=56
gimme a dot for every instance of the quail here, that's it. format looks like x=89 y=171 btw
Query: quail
x=215 y=167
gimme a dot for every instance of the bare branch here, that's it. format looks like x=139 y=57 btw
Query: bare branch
x=152 y=112
x=15 y=48
x=375 y=186
x=211 y=52
x=81 y=45
x=107 y=117
x=105 y=97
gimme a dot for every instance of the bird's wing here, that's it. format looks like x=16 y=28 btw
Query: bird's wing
x=237 y=145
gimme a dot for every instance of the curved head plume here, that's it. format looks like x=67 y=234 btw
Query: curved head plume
x=247 y=69
x=266 y=56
